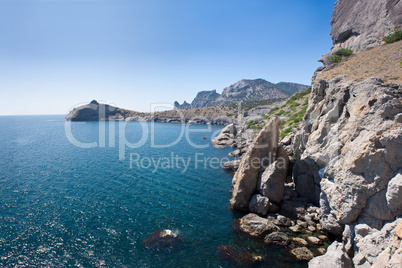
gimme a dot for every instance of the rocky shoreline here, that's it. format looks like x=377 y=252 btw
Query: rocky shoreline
x=345 y=171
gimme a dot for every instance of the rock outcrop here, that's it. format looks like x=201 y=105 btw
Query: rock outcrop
x=227 y=137
x=361 y=25
x=347 y=150
x=243 y=91
x=335 y=256
x=261 y=153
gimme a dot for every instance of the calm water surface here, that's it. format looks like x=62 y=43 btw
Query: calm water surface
x=66 y=206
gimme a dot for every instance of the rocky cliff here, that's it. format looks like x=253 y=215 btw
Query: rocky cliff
x=362 y=24
x=347 y=150
x=243 y=91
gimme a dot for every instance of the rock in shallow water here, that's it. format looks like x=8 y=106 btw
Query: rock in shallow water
x=256 y=226
x=302 y=254
x=162 y=238
x=299 y=241
x=277 y=238
x=314 y=240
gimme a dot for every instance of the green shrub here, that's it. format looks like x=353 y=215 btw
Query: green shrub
x=344 y=52
x=265 y=116
x=396 y=36
x=294 y=105
x=285 y=132
x=273 y=110
x=281 y=112
x=336 y=58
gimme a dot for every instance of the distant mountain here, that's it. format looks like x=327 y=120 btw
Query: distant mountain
x=243 y=91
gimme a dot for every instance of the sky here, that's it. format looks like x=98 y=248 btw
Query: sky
x=57 y=54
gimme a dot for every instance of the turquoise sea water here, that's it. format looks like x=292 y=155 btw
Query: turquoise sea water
x=66 y=206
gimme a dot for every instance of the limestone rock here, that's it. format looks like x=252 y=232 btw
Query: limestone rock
x=347 y=150
x=283 y=221
x=259 y=204
x=261 y=152
x=394 y=194
x=299 y=241
x=272 y=182
x=369 y=243
x=277 y=238
x=335 y=257
x=361 y=25
x=256 y=226
x=226 y=137
x=295 y=229
x=282 y=157
x=314 y=240
x=288 y=139
x=302 y=254
x=232 y=165
x=235 y=153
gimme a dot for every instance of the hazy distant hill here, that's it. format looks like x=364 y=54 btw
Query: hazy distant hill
x=243 y=91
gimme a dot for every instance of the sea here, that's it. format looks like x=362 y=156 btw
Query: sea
x=87 y=194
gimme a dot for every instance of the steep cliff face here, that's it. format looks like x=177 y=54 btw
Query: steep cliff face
x=348 y=150
x=362 y=24
x=243 y=91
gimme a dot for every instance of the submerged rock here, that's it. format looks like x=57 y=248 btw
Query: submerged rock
x=243 y=259
x=161 y=238
x=226 y=252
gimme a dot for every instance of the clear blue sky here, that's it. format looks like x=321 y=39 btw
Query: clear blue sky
x=55 y=54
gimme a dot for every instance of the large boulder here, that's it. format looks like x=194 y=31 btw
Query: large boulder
x=394 y=194
x=302 y=254
x=277 y=239
x=259 y=204
x=272 y=182
x=262 y=152
x=256 y=226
